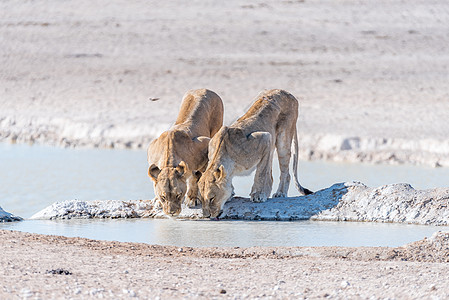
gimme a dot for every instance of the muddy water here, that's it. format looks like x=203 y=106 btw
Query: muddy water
x=33 y=177
x=232 y=233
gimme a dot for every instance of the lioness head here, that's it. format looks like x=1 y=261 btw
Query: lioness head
x=169 y=186
x=215 y=189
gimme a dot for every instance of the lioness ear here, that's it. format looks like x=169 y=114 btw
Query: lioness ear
x=181 y=168
x=235 y=131
x=197 y=174
x=220 y=173
x=153 y=172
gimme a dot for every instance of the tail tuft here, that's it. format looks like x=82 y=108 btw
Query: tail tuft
x=307 y=192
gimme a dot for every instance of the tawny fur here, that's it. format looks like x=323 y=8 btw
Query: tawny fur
x=249 y=144
x=176 y=155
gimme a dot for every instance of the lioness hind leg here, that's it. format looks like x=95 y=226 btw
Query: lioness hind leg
x=283 y=148
x=263 y=179
x=192 y=198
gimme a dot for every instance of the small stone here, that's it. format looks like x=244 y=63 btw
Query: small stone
x=125 y=272
x=433 y=287
x=59 y=272
x=276 y=287
x=131 y=293
x=180 y=250
x=26 y=293
x=222 y=291
x=344 y=284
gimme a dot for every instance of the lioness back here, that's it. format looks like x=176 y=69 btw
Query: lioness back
x=269 y=106
x=199 y=108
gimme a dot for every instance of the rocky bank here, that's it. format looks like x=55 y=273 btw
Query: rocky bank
x=350 y=201
x=8 y=217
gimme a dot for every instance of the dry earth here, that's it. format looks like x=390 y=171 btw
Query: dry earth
x=42 y=267
x=371 y=75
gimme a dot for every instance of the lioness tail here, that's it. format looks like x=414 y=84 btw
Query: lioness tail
x=301 y=190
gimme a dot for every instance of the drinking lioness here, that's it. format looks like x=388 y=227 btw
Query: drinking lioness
x=176 y=155
x=249 y=143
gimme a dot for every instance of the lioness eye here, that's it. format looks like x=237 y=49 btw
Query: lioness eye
x=211 y=199
x=162 y=198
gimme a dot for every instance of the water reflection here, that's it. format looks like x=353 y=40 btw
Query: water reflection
x=232 y=233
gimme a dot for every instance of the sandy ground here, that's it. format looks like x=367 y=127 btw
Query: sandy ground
x=42 y=267
x=371 y=76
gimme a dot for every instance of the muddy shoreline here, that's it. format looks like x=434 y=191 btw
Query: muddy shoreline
x=54 y=266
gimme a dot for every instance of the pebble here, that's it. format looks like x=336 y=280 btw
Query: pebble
x=131 y=293
x=97 y=292
x=26 y=293
x=344 y=284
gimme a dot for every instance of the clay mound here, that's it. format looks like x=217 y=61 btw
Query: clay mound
x=350 y=201
x=433 y=249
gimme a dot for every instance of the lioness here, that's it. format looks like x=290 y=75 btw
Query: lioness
x=176 y=155
x=249 y=143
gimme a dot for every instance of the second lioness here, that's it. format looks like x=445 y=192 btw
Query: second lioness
x=178 y=153
x=249 y=143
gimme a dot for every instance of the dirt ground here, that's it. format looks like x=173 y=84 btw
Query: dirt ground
x=42 y=267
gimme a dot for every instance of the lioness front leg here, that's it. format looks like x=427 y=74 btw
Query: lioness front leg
x=263 y=179
x=192 y=198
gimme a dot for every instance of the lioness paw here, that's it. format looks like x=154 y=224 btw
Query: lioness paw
x=279 y=195
x=258 y=197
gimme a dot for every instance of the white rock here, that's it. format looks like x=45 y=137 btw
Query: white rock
x=350 y=201
x=95 y=209
x=390 y=203
x=8 y=217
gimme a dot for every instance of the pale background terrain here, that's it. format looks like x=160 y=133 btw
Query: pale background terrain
x=371 y=76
